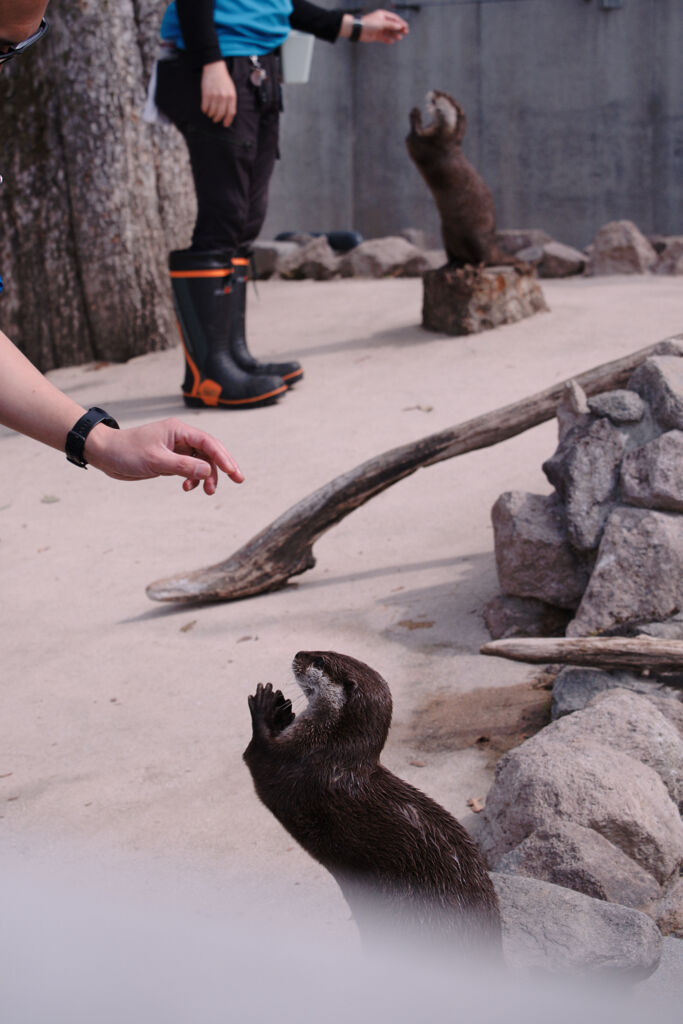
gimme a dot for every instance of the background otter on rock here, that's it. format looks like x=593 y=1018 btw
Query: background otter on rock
x=463 y=199
x=399 y=858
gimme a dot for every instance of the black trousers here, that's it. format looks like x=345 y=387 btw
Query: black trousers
x=231 y=166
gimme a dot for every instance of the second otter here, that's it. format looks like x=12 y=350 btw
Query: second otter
x=399 y=858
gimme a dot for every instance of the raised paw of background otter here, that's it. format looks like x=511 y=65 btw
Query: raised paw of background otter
x=271 y=712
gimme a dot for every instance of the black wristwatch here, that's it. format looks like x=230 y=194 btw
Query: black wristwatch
x=356 y=28
x=75 y=439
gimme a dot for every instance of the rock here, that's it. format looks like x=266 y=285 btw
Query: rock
x=533 y=555
x=524 y=616
x=628 y=722
x=468 y=300
x=667 y=910
x=420 y=239
x=659 y=381
x=671 y=709
x=585 y=472
x=558 y=260
x=638 y=575
x=620 y=248
x=652 y=475
x=530 y=254
x=619 y=406
x=384 y=257
x=512 y=241
x=316 y=259
x=267 y=257
x=572 y=409
x=581 y=859
x=670 y=256
x=547 y=780
x=672 y=346
x=574 y=688
x=668 y=629
x=553 y=930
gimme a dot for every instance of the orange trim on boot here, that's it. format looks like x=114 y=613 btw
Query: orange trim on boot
x=201 y=273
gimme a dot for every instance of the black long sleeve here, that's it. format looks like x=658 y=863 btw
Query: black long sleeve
x=308 y=17
x=199 y=33
x=201 y=41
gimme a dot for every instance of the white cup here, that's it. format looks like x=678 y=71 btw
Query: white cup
x=296 y=54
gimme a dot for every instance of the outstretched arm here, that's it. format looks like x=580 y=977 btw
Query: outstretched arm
x=30 y=404
x=378 y=27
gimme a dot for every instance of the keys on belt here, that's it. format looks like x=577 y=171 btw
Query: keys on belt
x=258 y=77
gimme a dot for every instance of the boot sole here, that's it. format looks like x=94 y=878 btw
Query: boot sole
x=237 y=403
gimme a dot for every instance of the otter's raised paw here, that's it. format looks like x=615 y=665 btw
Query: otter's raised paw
x=270 y=711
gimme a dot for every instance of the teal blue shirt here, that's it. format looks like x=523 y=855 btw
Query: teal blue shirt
x=243 y=27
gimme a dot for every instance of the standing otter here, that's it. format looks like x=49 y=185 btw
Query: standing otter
x=399 y=858
x=463 y=199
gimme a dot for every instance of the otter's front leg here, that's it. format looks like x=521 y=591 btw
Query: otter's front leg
x=270 y=711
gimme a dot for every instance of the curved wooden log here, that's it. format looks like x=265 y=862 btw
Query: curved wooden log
x=285 y=548
x=610 y=652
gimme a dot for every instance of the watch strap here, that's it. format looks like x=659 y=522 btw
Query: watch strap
x=356 y=28
x=75 y=439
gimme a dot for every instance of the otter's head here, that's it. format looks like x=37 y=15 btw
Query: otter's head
x=347 y=700
x=444 y=125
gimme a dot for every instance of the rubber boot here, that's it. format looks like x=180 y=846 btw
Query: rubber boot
x=290 y=372
x=201 y=284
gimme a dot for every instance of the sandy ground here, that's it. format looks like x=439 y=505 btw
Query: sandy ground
x=123 y=721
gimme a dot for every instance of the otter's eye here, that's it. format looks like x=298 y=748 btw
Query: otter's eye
x=318 y=663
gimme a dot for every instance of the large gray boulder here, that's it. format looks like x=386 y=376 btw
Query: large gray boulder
x=316 y=259
x=620 y=248
x=585 y=473
x=533 y=555
x=638 y=575
x=619 y=406
x=652 y=475
x=383 y=257
x=559 y=260
x=670 y=256
x=524 y=616
x=574 y=688
x=553 y=930
x=547 y=781
x=659 y=381
x=583 y=860
x=628 y=722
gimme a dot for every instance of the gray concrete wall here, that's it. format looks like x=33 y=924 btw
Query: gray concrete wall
x=575 y=117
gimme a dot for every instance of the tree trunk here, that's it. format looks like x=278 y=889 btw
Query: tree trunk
x=93 y=196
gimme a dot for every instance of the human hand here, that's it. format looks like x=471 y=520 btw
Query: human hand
x=165 y=448
x=219 y=96
x=383 y=27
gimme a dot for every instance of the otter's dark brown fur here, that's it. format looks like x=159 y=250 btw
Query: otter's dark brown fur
x=393 y=850
x=463 y=199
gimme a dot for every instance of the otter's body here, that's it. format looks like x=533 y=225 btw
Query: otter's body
x=463 y=199
x=398 y=856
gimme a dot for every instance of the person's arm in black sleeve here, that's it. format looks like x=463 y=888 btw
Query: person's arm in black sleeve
x=307 y=17
x=199 y=33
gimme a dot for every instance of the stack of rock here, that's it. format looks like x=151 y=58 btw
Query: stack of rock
x=604 y=551
x=592 y=802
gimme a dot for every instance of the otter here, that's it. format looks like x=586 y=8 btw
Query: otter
x=399 y=858
x=463 y=199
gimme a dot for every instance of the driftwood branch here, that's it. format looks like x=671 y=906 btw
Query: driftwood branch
x=285 y=548
x=612 y=652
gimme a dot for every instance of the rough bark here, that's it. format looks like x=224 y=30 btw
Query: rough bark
x=603 y=652
x=93 y=196
x=285 y=548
